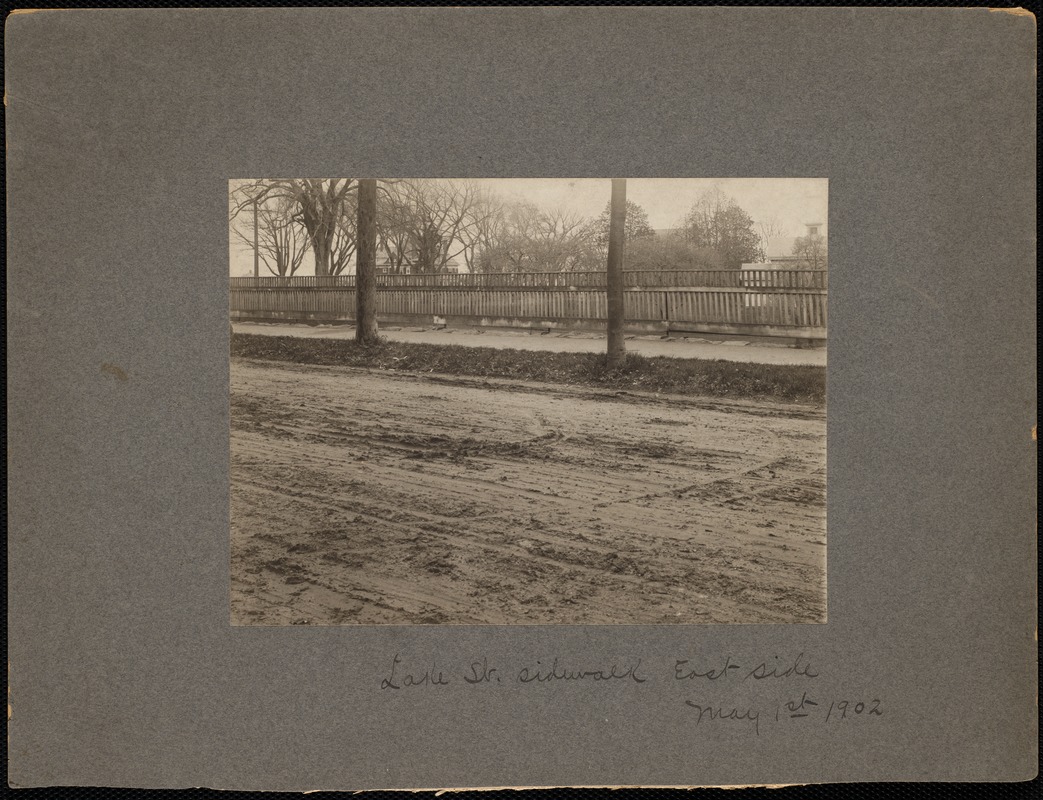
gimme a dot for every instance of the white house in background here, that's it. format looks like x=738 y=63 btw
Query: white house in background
x=384 y=265
x=779 y=249
x=778 y=254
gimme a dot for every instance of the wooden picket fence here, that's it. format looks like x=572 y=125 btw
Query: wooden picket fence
x=714 y=278
x=766 y=302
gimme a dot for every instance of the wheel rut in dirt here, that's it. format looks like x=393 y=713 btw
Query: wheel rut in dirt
x=366 y=498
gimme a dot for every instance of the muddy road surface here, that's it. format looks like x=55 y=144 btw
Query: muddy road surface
x=363 y=497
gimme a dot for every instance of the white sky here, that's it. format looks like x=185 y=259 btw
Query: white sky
x=789 y=203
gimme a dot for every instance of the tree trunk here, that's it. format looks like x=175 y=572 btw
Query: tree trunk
x=617 y=222
x=366 y=264
x=322 y=256
x=257 y=246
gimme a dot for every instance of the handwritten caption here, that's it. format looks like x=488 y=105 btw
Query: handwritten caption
x=793 y=695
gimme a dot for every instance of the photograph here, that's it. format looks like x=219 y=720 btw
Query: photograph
x=528 y=401
x=549 y=430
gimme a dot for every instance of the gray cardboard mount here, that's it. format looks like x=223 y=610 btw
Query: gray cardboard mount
x=123 y=130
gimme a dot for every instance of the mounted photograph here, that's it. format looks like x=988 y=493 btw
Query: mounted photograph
x=528 y=401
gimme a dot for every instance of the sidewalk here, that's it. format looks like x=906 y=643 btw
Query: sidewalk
x=690 y=346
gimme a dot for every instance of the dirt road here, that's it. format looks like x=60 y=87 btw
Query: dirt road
x=366 y=497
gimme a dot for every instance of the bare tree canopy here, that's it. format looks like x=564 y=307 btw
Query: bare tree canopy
x=426 y=223
x=813 y=251
x=769 y=230
x=324 y=206
x=717 y=223
x=281 y=241
x=526 y=238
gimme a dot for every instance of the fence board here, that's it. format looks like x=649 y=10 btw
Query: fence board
x=776 y=307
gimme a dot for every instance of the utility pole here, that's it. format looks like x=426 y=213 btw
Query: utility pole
x=257 y=248
x=617 y=224
x=366 y=264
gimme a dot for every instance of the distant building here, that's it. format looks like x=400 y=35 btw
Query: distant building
x=779 y=249
x=385 y=266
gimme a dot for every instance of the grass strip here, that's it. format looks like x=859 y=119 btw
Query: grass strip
x=685 y=376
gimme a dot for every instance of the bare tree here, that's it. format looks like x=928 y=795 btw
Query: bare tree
x=717 y=223
x=344 y=241
x=769 y=230
x=321 y=205
x=429 y=222
x=393 y=230
x=813 y=251
x=281 y=242
x=561 y=242
x=527 y=238
x=490 y=232
x=507 y=245
x=484 y=219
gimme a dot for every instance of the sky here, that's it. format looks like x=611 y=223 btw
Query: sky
x=792 y=202
x=788 y=203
